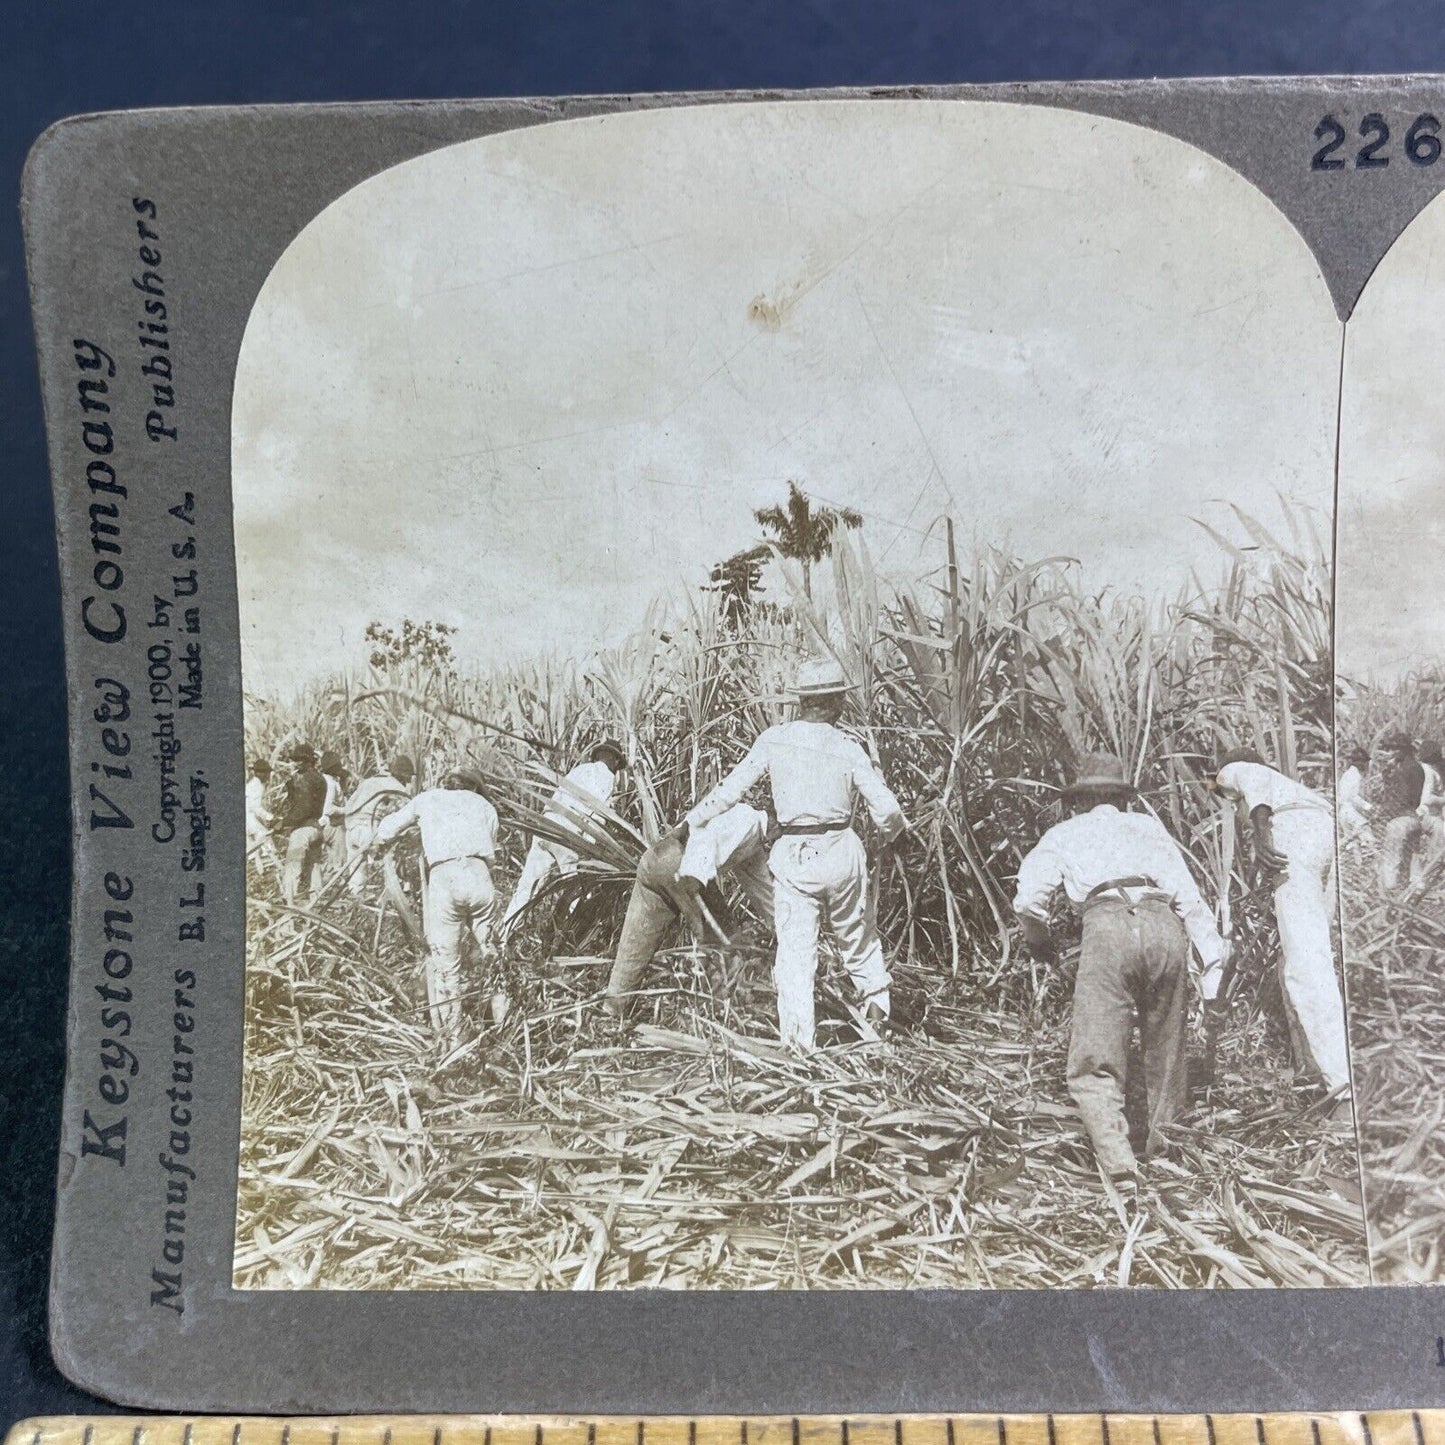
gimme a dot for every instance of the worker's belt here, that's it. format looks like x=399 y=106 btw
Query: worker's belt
x=1117 y=884
x=1132 y=891
x=811 y=830
x=462 y=858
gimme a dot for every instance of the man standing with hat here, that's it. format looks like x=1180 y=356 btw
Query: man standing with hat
x=1293 y=832
x=1141 y=909
x=458 y=829
x=371 y=800
x=819 y=867
x=591 y=781
x=299 y=821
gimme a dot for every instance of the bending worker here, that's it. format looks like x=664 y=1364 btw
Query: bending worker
x=819 y=868
x=592 y=781
x=372 y=800
x=1293 y=832
x=1141 y=909
x=458 y=838
x=677 y=878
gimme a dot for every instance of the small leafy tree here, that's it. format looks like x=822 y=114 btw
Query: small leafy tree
x=427 y=643
x=737 y=580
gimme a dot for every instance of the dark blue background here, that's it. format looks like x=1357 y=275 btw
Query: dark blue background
x=62 y=56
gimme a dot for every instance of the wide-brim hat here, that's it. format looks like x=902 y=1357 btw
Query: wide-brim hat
x=820 y=678
x=301 y=753
x=612 y=746
x=1398 y=742
x=1099 y=773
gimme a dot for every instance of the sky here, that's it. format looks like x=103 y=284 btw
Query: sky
x=1390 y=613
x=526 y=384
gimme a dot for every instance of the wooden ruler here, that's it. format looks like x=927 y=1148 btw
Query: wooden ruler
x=1381 y=1427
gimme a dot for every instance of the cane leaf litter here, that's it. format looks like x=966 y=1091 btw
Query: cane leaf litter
x=689 y=1150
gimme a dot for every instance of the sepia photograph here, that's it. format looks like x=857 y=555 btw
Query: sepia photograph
x=1390 y=651
x=790 y=721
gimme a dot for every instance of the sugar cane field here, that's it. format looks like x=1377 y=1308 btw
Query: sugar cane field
x=555 y=1148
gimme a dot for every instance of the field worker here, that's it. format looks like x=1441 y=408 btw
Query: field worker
x=1432 y=803
x=1399 y=789
x=1352 y=809
x=458 y=829
x=594 y=780
x=299 y=822
x=260 y=850
x=819 y=868
x=677 y=878
x=1293 y=833
x=1140 y=910
x=333 y=810
x=371 y=801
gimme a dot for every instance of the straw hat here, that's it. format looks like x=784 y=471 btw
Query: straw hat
x=1099 y=773
x=820 y=678
x=608 y=748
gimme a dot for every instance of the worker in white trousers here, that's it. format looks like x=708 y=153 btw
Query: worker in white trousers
x=260 y=850
x=593 y=780
x=1352 y=808
x=458 y=829
x=819 y=867
x=1293 y=832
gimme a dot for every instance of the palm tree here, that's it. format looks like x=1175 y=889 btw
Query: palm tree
x=738 y=579
x=804 y=532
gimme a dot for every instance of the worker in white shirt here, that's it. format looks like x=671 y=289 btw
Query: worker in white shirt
x=1140 y=910
x=372 y=800
x=260 y=849
x=1293 y=833
x=1432 y=807
x=458 y=829
x=819 y=867
x=677 y=878
x=589 y=782
x=1352 y=809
